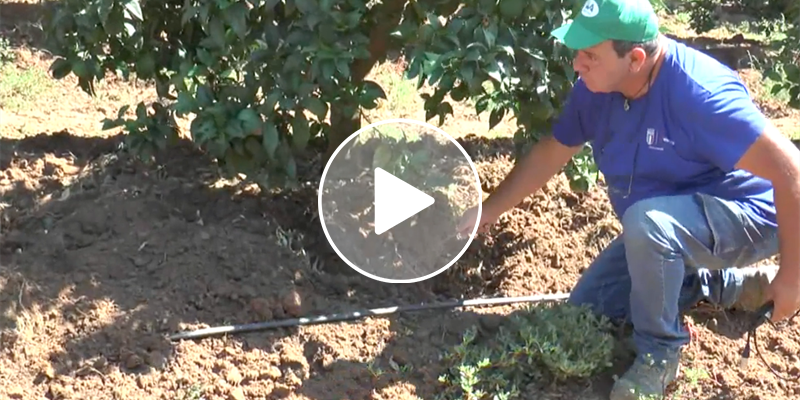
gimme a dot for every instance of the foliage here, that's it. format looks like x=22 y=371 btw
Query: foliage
x=705 y=14
x=784 y=66
x=500 y=55
x=409 y=156
x=560 y=342
x=406 y=156
x=778 y=20
x=264 y=80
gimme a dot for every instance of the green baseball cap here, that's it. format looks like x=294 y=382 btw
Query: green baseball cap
x=601 y=20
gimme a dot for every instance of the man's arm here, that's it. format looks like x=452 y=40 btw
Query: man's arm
x=775 y=158
x=732 y=133
x=545 y=159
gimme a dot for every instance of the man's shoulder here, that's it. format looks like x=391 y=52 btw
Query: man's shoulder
x=696 y=75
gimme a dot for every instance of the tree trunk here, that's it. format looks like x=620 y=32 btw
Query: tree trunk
x=343 y=123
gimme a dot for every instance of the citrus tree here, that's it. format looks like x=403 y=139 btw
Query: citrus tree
x=267 y=82
x=778 y=20
x=784 y=64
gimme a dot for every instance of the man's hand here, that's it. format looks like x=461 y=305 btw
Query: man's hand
x=543 y=161
x=785 y=294
x=469 y=217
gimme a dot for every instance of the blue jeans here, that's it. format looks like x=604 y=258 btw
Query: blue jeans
x=673 y=252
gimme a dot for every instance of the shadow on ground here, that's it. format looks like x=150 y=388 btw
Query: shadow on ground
x=103 y=257
x=21 y=22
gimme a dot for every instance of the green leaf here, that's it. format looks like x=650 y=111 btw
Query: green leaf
x=490 y=34
x=188 y=14
x=443 y=111
x=270 y=138
x=255 y=150
x=481 y=105
x=773 y=75
x=271 y=101
x=104 y=8
x=141 y=112
x=473 y=54
x=306 y=6
x=203 y=130
x=327 y=68
x=792 y=72
x=216 y=35
x=129 y=29
x=467 y=72
x=205 y=97
x=511 y=8
x=250 y=119
x=133 y=9
x=496 y=116
x=60 y=68
x=122 y=110
x=112 y=123
x=206 y=58
x=343 y=66
x=291 y=168
x=316 y=106
x=146 y=65
x=300 y=131
x=185 y=103
x=234 y=128
x=236 y=17
x=382 y=156
x=217 y=146
x=370 y=92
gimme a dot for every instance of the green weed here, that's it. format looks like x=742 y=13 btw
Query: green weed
x=558 y=342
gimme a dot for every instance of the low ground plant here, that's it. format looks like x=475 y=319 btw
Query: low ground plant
x=542 y=342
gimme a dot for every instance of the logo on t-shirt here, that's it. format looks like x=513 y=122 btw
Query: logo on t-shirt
x=652 y=139
x=590 y=9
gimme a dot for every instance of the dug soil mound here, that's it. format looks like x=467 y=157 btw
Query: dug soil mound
x=102 y=257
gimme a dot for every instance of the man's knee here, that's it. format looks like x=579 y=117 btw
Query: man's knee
x=646 y=225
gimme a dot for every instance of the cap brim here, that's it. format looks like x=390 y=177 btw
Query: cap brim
x=576 y=37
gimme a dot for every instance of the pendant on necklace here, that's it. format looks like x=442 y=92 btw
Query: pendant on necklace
x=627 y=105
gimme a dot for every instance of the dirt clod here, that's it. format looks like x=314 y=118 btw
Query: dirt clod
x=261 y=307
x=236 y=393
x=133 y=361
x=293 y=303
x=156 y=360
x=233 y=376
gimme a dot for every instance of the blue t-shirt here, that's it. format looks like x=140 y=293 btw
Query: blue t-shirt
x=685 y=136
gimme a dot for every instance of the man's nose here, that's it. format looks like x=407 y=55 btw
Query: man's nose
x=578 y=66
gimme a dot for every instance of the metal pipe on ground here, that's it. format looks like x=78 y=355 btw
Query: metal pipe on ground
x=261 y=326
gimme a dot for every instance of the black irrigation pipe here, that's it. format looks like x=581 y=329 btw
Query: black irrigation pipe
x=260 y=326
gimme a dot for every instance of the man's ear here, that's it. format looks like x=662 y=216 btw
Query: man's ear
x=637 y=57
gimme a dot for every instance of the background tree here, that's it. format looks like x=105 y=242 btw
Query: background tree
x=264 y=79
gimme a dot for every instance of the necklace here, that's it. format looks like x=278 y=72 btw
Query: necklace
x=627 y=105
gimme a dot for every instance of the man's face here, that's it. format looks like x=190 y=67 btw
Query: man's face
x=601 y=68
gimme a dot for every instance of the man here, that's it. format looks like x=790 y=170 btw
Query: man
x=704 y=186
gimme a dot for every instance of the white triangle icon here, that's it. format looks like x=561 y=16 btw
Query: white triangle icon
x=396 y=201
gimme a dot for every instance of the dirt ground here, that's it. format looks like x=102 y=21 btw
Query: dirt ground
x=102 y=257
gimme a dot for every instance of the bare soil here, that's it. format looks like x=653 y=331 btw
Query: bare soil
x=102 y=257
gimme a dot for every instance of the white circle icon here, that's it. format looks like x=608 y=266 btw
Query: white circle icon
x=590 y=9
x=392 y=196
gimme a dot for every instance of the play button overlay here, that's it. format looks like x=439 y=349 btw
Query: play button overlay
x=396 y=201
x=391 y=198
